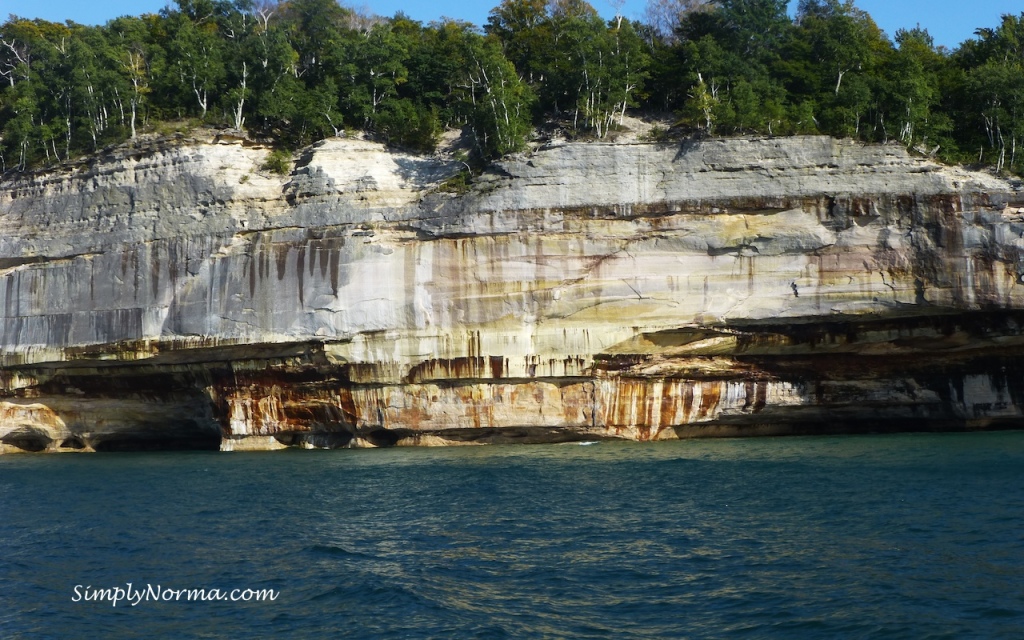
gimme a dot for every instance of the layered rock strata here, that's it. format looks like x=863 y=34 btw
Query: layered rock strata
x=178 y=296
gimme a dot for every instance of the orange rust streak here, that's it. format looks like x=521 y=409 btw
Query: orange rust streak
x=669 y=404
x=710 y=394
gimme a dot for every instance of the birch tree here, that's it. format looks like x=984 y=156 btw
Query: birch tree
x=498 y=101
x=196 y=52
x=128 y=44
x=995 y=91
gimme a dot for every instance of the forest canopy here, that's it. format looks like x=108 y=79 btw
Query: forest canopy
x=295 y=71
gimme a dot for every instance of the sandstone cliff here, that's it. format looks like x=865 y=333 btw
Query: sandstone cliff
x=177 y=296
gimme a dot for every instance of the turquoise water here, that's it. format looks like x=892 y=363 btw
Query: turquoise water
x=906 y=536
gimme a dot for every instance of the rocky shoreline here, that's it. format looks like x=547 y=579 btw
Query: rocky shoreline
x=183 y=298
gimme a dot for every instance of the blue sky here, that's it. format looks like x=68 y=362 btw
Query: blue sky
x=949 y=21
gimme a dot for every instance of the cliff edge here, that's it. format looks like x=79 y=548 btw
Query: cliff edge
x=179 y=296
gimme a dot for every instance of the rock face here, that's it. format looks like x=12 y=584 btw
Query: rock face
x=179 y=297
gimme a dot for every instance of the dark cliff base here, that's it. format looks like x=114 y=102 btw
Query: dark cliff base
x=951 y=372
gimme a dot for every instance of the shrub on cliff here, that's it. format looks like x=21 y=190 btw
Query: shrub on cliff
x=278 y=161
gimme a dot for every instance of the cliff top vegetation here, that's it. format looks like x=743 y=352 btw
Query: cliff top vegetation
x=295 y=71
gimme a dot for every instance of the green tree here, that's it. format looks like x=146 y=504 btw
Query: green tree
x=578 y=65
x=19 y=131
x=91 y=86
x=993 y=102
x=909 y=79
x=271 y=72
x=196 y=49
x=131 y=57
x=316 y=31
x=726 y=56
x=703 y=104
x=845 y=48
x=238 y=24
x=525 y=30
x=40 y=99
x=373 y=72
x=495 y=100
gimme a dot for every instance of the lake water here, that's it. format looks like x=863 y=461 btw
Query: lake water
x=904 y=536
